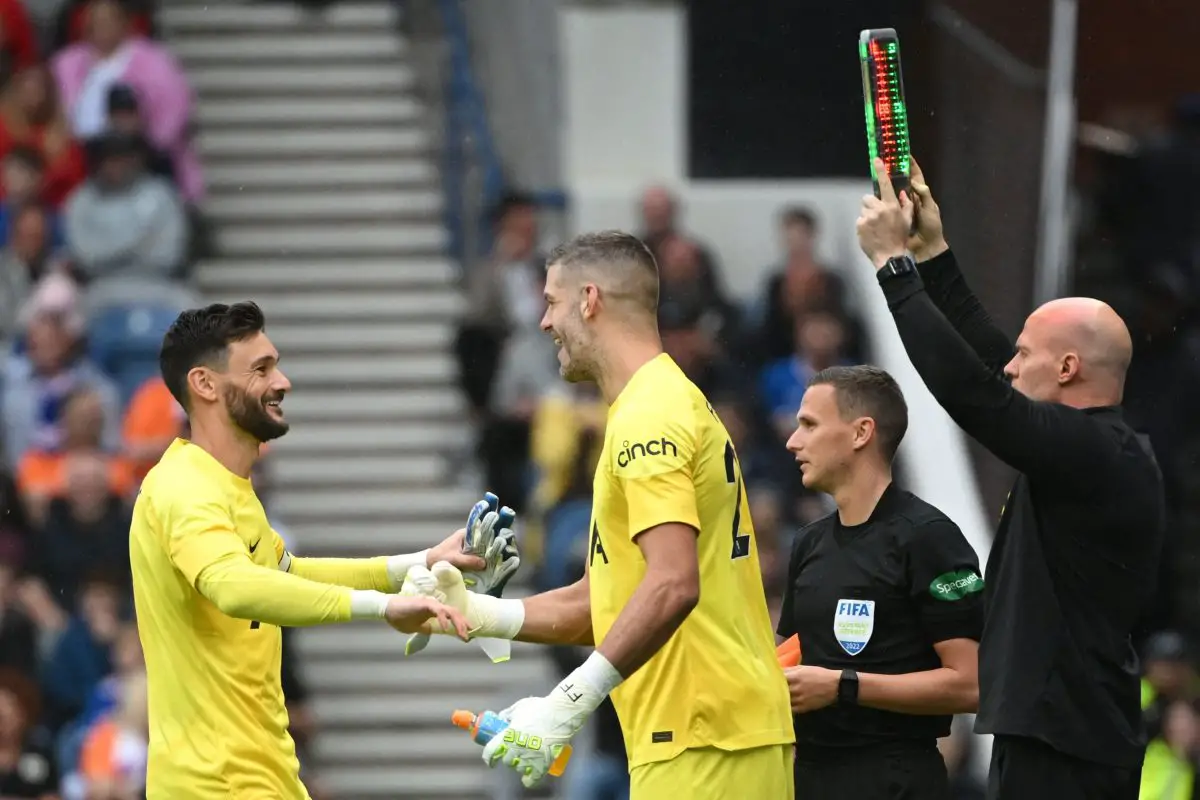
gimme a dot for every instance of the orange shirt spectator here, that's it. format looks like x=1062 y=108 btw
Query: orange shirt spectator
x=152 y=422
x=45 y=475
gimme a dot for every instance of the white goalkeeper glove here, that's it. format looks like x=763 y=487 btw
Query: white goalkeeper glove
x=489 y=536
x=540 y=727
x=487 y=616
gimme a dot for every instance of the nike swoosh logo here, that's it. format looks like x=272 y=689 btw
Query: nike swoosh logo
x=254 y=546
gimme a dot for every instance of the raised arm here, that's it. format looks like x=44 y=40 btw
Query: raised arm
x=945 y=283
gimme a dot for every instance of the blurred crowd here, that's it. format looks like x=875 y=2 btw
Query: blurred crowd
x=100 y=222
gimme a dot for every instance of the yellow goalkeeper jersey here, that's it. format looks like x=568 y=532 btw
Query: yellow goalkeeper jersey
x=716 y=683
x=218 y=726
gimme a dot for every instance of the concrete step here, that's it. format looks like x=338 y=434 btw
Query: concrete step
x=409 y=710
x=366 y=540
x=416 y=405
x=241 y=18
x=385 y=78
x=375 y=503
x=255 y=142
x=377 y=273
x=341 y=240
x=255 y=48
x=349 y=747
x=412 y=782
x=323 y=172
x=431 y=674
x=428 y=437
x=352 y=306
x=375 y=640
x=333 y=204
x=399 y=110
x=357 y=471
x=393 y=340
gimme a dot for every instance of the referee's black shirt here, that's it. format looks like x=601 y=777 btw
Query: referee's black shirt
x=875 y=598
x=1076 y=554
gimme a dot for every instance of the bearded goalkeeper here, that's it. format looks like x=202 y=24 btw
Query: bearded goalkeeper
x=673 y=596
x=213 y=583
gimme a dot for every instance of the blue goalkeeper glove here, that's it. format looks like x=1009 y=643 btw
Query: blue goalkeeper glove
x=489 y=535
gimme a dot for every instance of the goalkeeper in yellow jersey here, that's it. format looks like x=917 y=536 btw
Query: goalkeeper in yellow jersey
x=213 y=584
x=673 y=597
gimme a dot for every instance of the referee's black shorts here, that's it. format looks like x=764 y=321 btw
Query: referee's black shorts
x=892 y=771
x=1023 y=769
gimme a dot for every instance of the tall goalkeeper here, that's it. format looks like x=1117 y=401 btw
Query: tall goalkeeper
x=673 y=595
x=213 y=583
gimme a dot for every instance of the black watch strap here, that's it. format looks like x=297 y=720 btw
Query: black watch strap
x=896 y=266
x=848 y=688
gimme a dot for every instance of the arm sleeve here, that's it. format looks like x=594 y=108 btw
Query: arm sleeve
x=1045 y=441
x=353 y=573
x=949 y=291
x=205 y=549
x=654 y=465
x=945 y=583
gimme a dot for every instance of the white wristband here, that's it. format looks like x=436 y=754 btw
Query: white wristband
x=497 y=617
x=398 y=566
x=599 y=673
x=368 y=604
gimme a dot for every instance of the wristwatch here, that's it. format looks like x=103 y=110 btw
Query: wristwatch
x=848 y=688
x=896 y=266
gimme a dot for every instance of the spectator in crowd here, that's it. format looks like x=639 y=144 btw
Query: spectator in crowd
x=690 y=339
x=70 y=20
x=28 y=256
x=681 y=276
x=18 y=38
x=567 y=437
x=801 y=285
x=125 y=117
x=504 y=296
x=660 y=224
x=153 y=420
x=86 y=530
x=70 y=470
x=81 y=656
x=115 y=53
x=124 y=221
x=766 y=509
x=23 y=184
x=819 y=343
x=30 y=115
x=27 y=766
x=53 y=366
x=113 y=761
x=18 y=637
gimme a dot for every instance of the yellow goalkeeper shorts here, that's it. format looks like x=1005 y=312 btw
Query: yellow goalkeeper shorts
x=708 y=773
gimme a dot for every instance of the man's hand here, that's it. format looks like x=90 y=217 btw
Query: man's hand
x=538 y=730
x=930 y=238
x=885 y=221
x=409 y=614
x=486 y=615
x=812 y=688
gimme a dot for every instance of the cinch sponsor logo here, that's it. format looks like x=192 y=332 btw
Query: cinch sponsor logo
x=956 y=585
x=655 y=447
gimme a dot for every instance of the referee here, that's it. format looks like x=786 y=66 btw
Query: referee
x=1075 y=560
x=885 y=597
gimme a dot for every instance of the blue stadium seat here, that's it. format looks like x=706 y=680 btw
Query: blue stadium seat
x=124 y=342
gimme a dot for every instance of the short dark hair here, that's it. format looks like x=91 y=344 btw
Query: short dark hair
x=799 y=215
x=201 y=337
x=866 y=391
x=27 y=156
x=510 y=201
x=616 y=253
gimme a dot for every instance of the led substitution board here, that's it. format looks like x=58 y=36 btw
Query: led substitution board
x=883 y=98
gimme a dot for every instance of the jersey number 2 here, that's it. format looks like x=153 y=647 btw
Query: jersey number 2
x=741 y=542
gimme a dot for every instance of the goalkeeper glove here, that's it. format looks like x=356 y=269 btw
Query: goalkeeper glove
x=488 y=535
x=486 y=615
x=540 y=727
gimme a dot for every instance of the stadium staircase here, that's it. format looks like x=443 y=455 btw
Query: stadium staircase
x=325 y=201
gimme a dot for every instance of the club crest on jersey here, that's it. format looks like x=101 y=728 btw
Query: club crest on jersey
x=853 y=624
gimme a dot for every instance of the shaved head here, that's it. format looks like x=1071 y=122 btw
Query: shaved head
x=1074 y=351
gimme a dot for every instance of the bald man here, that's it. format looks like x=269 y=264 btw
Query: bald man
x=1076 y=553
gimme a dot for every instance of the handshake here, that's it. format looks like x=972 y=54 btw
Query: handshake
x=468 y=575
